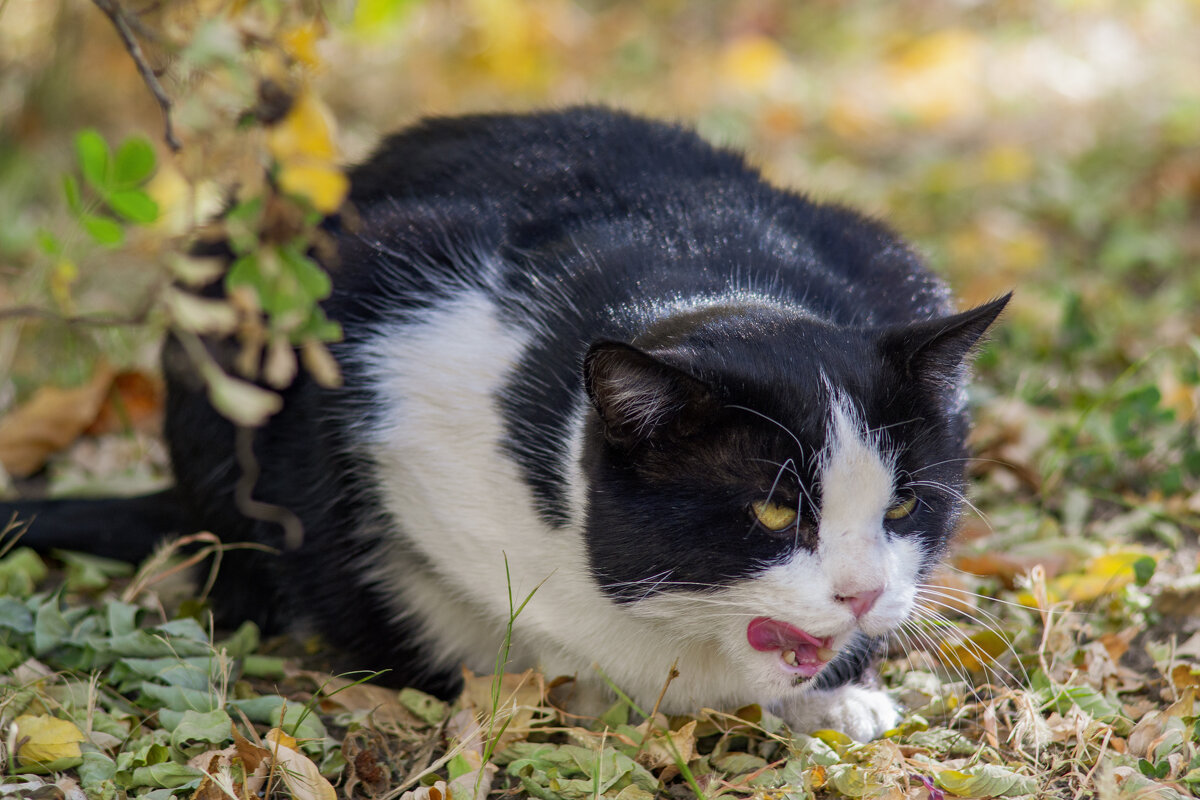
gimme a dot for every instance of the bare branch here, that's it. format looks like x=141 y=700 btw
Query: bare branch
x=121 y=22
x=99 y=320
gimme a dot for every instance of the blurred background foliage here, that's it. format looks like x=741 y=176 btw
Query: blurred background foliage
x=1048 y=147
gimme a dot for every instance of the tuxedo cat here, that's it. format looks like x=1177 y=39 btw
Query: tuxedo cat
x=713 y=422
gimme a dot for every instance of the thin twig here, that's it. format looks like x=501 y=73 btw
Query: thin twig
x=100 y=320
x=116 y=13
x=672 y=674
x=293 y=528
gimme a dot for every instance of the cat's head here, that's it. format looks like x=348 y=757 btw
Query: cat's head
x=774 y=483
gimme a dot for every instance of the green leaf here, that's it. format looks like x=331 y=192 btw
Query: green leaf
x=103 y=230
x=122 y=617
x=20 y=572
x=1143 y=570
x=243 y=642
x=179 y=698
x=91 y=573
x=50 y=627
x=134 y=205
x=459 y=766
x=94 y=158
x=95 y=770
x=985 y=780
x=168 y=775
x=189 y=673
x=134 y=163
x=311 y=278
x=9 y=658
x=254 y=666
x=196 y=731
x=15 y=615
x=71 y=192
x=427 y=707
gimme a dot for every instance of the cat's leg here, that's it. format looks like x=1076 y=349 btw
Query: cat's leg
x=860 y=713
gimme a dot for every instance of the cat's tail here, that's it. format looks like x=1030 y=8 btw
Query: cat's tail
x=122 y=528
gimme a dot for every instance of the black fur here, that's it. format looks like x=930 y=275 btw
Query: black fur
x=603 y=227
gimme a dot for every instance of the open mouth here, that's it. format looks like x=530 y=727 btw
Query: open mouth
x=800 y=653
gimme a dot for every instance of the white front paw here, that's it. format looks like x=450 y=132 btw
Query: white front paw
x=860 y=713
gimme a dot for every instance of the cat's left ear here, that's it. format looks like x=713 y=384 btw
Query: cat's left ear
x=641 y=398
x=933 y=351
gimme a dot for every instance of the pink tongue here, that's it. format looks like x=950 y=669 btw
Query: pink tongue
x=765 y=633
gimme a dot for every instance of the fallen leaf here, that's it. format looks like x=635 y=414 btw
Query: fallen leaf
x=985 y=780
x=43 y=739
x=49 y=421
x=666 y=748
x=1185 y=676
x=133 y=401
x=367 y=758
x=1150 y=727
x=302 y=777
x=383 y=704
x=521 y=697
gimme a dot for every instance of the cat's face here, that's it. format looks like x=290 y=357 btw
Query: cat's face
x=776 y=486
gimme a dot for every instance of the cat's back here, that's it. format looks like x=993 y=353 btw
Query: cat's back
x=606 y=206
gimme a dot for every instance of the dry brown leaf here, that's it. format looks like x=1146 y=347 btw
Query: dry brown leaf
x=302 y=777
x=367 y=757
x=383 y=704
x=251 y=754
x=522 y=696
x=135 y=400
x=1150 y=727
x=658 y=753
x=1185 y=676
x=208 y=788
x=1118 y=643
x=49 y=421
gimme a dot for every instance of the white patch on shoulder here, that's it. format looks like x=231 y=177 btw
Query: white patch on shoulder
x=862 y=714
x=461 y=504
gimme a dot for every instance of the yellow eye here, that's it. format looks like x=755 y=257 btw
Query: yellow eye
x=773 y=516
x=903 y=508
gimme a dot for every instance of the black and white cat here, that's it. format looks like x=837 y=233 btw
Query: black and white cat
x=717 y=423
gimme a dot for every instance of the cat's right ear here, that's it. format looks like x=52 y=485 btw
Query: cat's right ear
x=641 y=399
x=934 y=351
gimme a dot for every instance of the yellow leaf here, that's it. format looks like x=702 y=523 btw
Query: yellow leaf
x=306 y=133
x=42 y=739
x=833 y=738
x=1102 y=575
x=1007 y=163
x=975 y=652
x=300 y=774
x=323 y=185
x=750 y=63
x=936 y=78
x=61 y=279
x=300 y=43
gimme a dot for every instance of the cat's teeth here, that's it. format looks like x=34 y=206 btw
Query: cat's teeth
x=825 y=654
x=790 y=657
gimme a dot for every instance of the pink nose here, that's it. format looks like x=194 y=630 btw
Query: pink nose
x=861 y=602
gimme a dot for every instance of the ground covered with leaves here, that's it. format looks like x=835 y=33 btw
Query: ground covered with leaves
x=1049 y=148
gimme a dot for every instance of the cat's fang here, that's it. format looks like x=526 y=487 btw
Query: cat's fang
x=790 y=657
x=825 y=654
